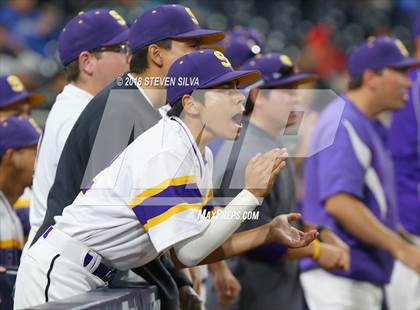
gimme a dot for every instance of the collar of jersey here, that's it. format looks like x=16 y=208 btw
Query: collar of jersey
x=191 y=139
x=78 y=91
x=3 y=197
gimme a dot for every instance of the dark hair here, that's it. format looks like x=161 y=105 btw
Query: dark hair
x=249 y=105
x=138 y=63
x=72 y=69
x=177 y=108
x=357 y=81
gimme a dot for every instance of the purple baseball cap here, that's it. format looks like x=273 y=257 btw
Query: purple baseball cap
x=169 y=21
x=208 y=68
x=379 y=53
x=277 y=70
x=13 y=91
x=18 y=132
x=89 y=30
x=239 y=49
x=248 y=33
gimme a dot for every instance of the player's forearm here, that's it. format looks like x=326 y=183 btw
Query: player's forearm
x=299 y=253
x=192 y=251
x=217 y=267
x=248 y=240
x=239 y=243
x=357 y=219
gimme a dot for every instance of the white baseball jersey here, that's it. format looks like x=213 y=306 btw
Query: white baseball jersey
x=149 y=199
x=61 y=119
x=11 y=234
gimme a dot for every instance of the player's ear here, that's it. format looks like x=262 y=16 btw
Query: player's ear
x=8 y=158
x=154 y=55
x=417 y=46
x=191 y=106
x=86 y=65
x=370 y=79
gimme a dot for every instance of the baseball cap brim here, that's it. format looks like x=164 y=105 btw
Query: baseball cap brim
x=34 y=99
x=120 y=37
x=215 y=47
x=407 y=62
x=242 y=77
x=205 y=36
x=296 y=79
x=33 y=140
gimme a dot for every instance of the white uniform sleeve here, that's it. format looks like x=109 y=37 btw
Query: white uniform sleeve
x=167 y=200
x=191 y=252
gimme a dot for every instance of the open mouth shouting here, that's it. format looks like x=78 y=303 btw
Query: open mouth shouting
x=237 y=120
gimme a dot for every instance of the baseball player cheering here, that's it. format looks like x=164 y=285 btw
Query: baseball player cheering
x=146 y=203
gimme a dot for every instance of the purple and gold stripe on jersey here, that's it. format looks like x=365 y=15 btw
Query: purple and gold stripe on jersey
x=10 y=252
x=172 y=196
x=22 y=210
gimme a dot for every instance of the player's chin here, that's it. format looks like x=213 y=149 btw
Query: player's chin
x=232 y=133
x=399 y=104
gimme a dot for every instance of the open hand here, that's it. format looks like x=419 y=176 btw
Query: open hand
x=283 y=233
x=262 y=170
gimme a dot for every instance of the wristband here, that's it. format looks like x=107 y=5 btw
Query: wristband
x=317 y=249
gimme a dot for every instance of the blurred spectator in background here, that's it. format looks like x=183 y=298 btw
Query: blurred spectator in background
x=270 y=109
x=404 y=142
x=18 y=139
x=350 y=186
x=8 y=55
x=321 y=56
x=130 y=9
x=30 y=25
x=15 y=100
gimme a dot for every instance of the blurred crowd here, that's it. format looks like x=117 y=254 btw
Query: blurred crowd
x=308 y=31
x=346 y=59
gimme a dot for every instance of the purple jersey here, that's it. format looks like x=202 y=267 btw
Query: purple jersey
x=357 y=163
x=404 y=142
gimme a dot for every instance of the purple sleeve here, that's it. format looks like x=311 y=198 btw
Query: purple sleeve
x=269 y=252
x=339 y=169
